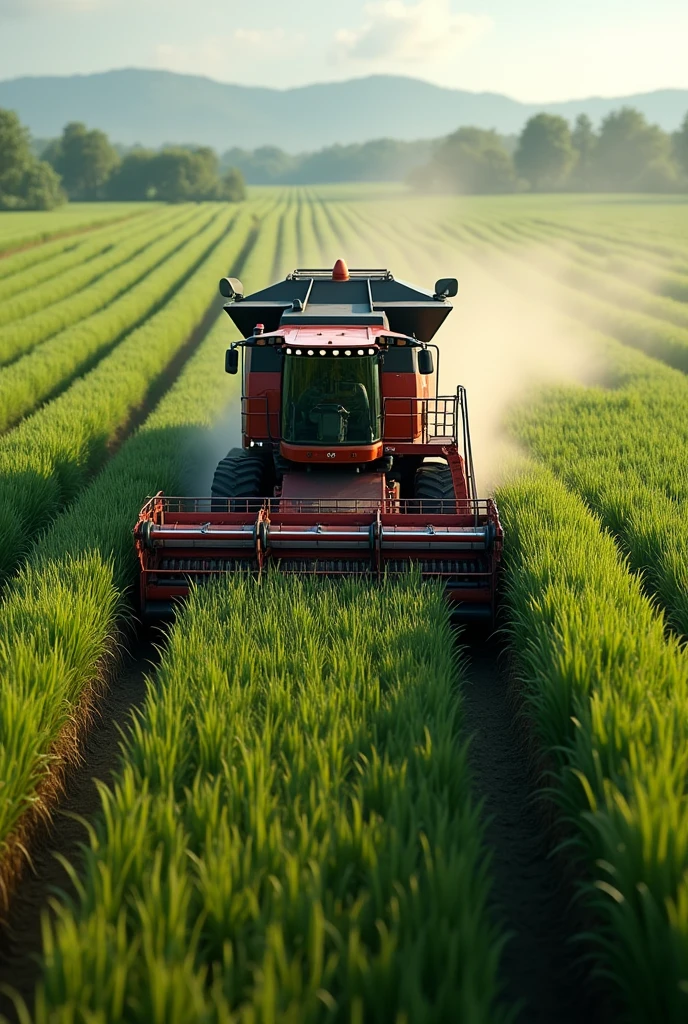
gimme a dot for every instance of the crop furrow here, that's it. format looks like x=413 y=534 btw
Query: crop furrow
x=144 y=251
x=298 y=780
x=662 y=341
x=50 y=457
x=67 y=223
x=595 y=281
x=59 y=256
x=608 y=696
x=60 y=620
x=44 y=372
x=98 y=257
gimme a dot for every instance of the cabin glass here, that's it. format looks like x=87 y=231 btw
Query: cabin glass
x=331 y=400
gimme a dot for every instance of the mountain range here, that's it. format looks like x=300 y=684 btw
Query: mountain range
x=156 y=107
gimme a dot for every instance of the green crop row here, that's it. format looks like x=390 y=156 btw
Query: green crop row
x=596 y=282
x=585 y=631
x=61 y=615
x=18 y=272
x=50 y=456
x=33 y=228
x=49 y=367
x=608 y=694
x=291 y=835
x=288 y=251
x=317 y=229
x=631 y=269
x=663 y=341
x=141 y=253
x=38 y=288
x=600 y=239
x=625 y=452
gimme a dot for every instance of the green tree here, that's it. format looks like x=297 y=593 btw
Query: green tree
x=266 y=165
x=41 y=187
x=134 y=178
x=15 y=146
x=175 y=175
x=584 y=142
x=85 y=160
x=469 y=161
x=632 y=154
x=186 y=174
x=680 y=141
x=25 y=182
x=232 y=186
x=544 y=154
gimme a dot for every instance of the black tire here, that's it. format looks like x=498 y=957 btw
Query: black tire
x=242 y=474
x=434 y=487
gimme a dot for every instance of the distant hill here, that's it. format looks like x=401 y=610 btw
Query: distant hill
x=155 y=107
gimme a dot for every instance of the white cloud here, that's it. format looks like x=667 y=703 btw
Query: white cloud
x=224 y=56
x=395 y=34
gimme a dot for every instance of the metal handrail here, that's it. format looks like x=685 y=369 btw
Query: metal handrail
x=439 y=417
x=483 y=507
x=462 y=399
x=267 y=412
x=326 y=272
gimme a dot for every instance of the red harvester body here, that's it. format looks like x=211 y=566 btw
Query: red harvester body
x=351 y=463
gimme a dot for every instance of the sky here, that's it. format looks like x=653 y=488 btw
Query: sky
x=532 y=50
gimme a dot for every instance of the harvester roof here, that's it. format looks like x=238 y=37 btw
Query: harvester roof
x=364 y=298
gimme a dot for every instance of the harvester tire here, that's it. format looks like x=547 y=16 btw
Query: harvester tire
x=242 y=474
x=434 y=488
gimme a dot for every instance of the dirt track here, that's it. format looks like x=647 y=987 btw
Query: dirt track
x=541 y=968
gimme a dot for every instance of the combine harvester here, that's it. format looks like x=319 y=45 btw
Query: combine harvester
x=351 y=464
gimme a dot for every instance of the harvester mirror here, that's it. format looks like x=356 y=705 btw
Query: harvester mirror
x=425 y=361
x=446 y=287
x=231 y=288
x=232 y=360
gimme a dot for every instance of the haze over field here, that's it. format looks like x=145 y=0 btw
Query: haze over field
x=158 y=107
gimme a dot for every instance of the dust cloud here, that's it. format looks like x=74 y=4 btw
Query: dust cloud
x=208 y=447
x=503 y=344
x=508 y=334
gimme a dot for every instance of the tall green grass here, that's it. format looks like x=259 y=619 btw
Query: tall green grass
x=144 y=251
x=608 y=695
x=39 y=288
x=625 y=452
x=291 y=835
x=657 y=338
x=88 y=550
x=46 y=370
x=566 y=265
x=18 y=229
x=50 y=456
x=17 y=275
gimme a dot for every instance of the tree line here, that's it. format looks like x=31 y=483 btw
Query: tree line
x=627 y=154
x=377 y=160
x=84 y=165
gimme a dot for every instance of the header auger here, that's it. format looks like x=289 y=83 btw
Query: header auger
x=351 y=463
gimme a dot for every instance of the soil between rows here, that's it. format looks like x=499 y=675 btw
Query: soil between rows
x=541 y=967
x=20 y=939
